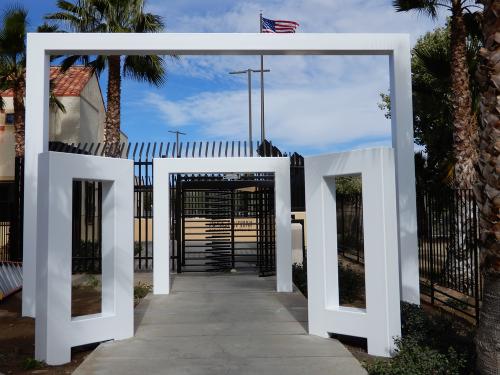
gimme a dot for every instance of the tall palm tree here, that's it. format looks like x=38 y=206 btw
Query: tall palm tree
x=465 y=136
x=488 y=193
x=114 y=16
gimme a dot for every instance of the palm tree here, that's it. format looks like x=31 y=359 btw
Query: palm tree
x=114 y=16
x=13 y=66
x=465 y=136
x=488 y=193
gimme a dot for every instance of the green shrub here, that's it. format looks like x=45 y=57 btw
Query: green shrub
x=414 y=359
x=92 y=282
x=438 y=331
x=351 y=284
x=32 y=364
x=140 y=291
x=137 y=249
x=299 y=277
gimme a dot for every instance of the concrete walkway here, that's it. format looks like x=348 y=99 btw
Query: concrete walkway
x=222 y=324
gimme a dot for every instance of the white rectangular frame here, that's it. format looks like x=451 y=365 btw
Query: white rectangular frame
x=56 y=332
x=380 y=322
x=163 y=168
x=396 y=46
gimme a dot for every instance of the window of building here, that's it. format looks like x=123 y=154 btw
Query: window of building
x=9 y=119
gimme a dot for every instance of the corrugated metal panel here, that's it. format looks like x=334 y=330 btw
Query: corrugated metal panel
x=11 y=278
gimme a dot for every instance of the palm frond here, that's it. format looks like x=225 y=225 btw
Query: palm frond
x=13 y=31
x=473 y=24
x=428 y=7
x=47 y=28
x=149 y=68
x=55 y=103
x=148 y=23
x=69 y=61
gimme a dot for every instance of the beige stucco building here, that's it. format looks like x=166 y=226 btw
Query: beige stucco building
x=82 y=122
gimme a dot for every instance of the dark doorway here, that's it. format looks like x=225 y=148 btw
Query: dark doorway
x=225 y=223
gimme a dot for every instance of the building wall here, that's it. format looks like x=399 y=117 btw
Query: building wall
x=82 y=121
x=65 y=126
x=7 y=143
x=92 y=113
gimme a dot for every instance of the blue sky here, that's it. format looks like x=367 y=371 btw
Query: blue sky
x=313 y=104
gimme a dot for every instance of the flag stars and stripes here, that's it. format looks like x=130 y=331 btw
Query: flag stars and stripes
x=278 y=26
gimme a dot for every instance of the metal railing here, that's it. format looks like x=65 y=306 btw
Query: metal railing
x=448 y=236
x=448 y=245
x=87 y=213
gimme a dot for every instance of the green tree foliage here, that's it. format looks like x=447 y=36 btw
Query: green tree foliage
x=432 y=102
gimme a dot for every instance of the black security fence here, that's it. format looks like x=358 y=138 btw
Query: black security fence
x=87 y=198
x=11 y=207
x=87 y=226
x=448 y=233
x=225 y=222
x=350 y=226
x=448 y=222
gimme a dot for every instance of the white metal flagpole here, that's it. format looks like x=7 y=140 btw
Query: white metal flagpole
x=262 y=127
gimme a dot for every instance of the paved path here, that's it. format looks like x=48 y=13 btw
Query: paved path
x=222 y=324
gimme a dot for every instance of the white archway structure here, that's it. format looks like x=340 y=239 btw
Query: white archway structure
x=163 y=168
x=395 y=46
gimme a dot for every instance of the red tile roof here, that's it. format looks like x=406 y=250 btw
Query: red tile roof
x=69 y=83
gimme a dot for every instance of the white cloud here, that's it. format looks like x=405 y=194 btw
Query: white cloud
x=308 y=117
x=314 y=102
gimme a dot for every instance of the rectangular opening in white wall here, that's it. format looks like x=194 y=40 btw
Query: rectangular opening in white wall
x=86 y=262
x=350 y=243
x=223 y=222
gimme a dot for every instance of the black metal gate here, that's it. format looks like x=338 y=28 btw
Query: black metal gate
x=225 y=223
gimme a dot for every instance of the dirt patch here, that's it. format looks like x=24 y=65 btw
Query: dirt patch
x=17 y=338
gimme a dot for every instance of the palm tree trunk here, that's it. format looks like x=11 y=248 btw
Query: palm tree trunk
x=465 y=140
x=487 y=192
x=19 y=112
x=465 y=132
x=112 y=126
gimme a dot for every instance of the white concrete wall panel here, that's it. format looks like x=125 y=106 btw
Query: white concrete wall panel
x=56 y=332
x=162 y=168
x=380 y=322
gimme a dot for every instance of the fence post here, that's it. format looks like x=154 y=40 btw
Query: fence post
x=430 y=241
x=477 y=275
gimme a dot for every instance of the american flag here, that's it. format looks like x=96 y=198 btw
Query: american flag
x=278 y=26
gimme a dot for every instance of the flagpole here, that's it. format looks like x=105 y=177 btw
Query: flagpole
x=262 y=127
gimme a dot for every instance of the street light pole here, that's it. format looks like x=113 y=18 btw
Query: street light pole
x=249 y=75
x=177 y=133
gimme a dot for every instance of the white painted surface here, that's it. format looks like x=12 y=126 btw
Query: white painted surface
x=56 y=332
x=396 y=46
x=297 y=244
x=162 y=168
x=380 y=323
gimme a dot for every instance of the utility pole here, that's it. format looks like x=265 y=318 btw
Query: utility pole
x=177 y=146
x=249 y=72
x=262 y=127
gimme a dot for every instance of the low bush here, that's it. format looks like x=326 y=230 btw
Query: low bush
x=351 y=283
x=414 y=359
x=32 y=364
x=435 y=344
x=299 y=277
x=140 y=291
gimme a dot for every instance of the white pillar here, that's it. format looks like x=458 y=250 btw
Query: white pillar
x=36 y=142
x=402 y=142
